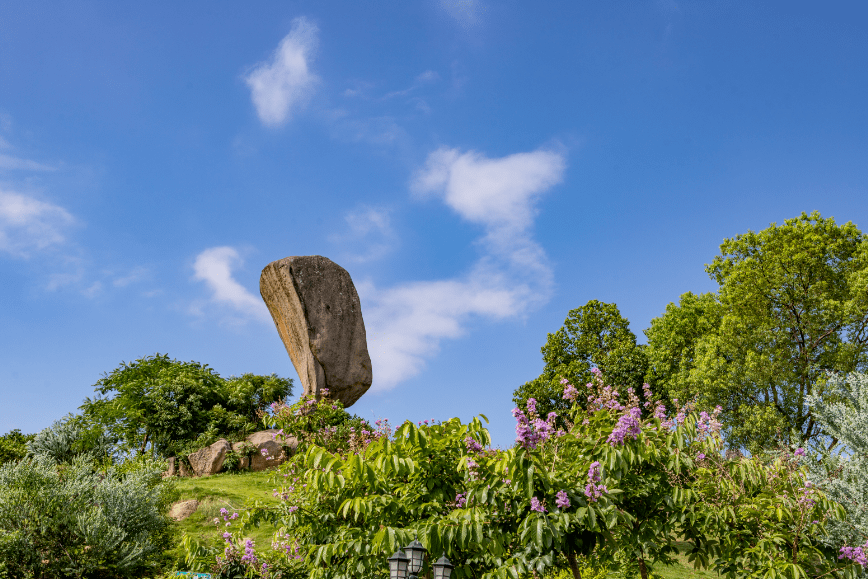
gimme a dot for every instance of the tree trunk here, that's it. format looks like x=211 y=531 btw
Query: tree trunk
x=144 y=443
x=571 y=557
x=643 y=570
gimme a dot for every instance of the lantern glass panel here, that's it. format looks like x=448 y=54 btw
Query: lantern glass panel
x=417 y=553
x=443 y=568
x=398 y=564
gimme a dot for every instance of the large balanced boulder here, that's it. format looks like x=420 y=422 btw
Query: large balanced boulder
x=209 y=460
x=267 y=449
x=318 y=315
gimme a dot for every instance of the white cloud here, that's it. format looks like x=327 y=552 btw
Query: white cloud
x=214 y=267
x=28 y=224
x=465 y=12
x=407 y=323
x=286 y=83
x=369 y=233
x=499 y=194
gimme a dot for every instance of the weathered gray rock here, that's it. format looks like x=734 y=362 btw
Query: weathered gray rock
x=183 y=509
x=209 y=460
x=264 y=441
x=317 y=312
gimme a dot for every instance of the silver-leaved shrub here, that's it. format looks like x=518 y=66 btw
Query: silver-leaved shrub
x=76 y=519
x=839 y=463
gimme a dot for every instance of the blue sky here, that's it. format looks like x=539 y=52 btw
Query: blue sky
x=480 y=168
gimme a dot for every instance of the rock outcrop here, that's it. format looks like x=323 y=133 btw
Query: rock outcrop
x=183 y=509
x=209 y=460
x=267 y=452
x=318 y=315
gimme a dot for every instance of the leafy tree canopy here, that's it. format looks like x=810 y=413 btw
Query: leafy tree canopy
x=13 y=445
x=792 y=305
x=162 y=404
x=594 y=335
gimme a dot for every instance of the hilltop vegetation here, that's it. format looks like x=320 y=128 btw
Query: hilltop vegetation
x=629 y=459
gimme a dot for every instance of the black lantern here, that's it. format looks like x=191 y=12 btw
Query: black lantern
x=398 y=565
x=416 y=552
x=443 y=568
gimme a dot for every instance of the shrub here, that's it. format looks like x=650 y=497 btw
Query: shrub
x=70 y=518
x=323 y=422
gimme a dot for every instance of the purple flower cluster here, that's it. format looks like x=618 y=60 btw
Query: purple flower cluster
x=855 y=554
x=799 y=452
x=628 y=425
x=807 y=491
x=460 y=501
x=593 y=490
x=249 y=556
x=537 y=506
x=708 y=424
x=563 y=501
x=570 y=392
x=473 y=445
x=531 y=430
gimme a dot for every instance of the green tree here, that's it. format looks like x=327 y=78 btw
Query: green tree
x=13 y=445
x=162 y=404
x=594 y=335
x=792 y=305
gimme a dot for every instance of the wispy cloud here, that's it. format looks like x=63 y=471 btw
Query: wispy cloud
x=214 y=267
x=467 y=13
x=407 y=323
x=136 y=275
x=9 y=162
x=285 y=83
x=28 y=224
x=369 y=233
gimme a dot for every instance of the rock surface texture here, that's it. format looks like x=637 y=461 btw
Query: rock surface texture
x=209 y=460
x=264 y=441
x=318 y=315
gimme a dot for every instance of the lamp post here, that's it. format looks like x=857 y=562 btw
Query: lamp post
x=407 y=564
x=398 y=565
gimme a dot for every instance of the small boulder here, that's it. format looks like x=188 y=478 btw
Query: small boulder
x=183 y=509
x=209 y=460
x=267 y=452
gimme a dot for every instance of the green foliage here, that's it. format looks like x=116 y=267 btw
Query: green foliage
x=594 y=335
x=839 y=464
x=614 y=488
x=166 y=405
x=71 y=520
x=72 y=438
x=792 y=305
x=13 y=445
x=764 y=517
x=323 y=422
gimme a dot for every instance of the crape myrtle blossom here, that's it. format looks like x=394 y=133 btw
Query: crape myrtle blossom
x=628 y=425
x=593 y=490
x=570 y=392
x=563 y=501
x=530 y=430
x=856 y=554
x=536 y=505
